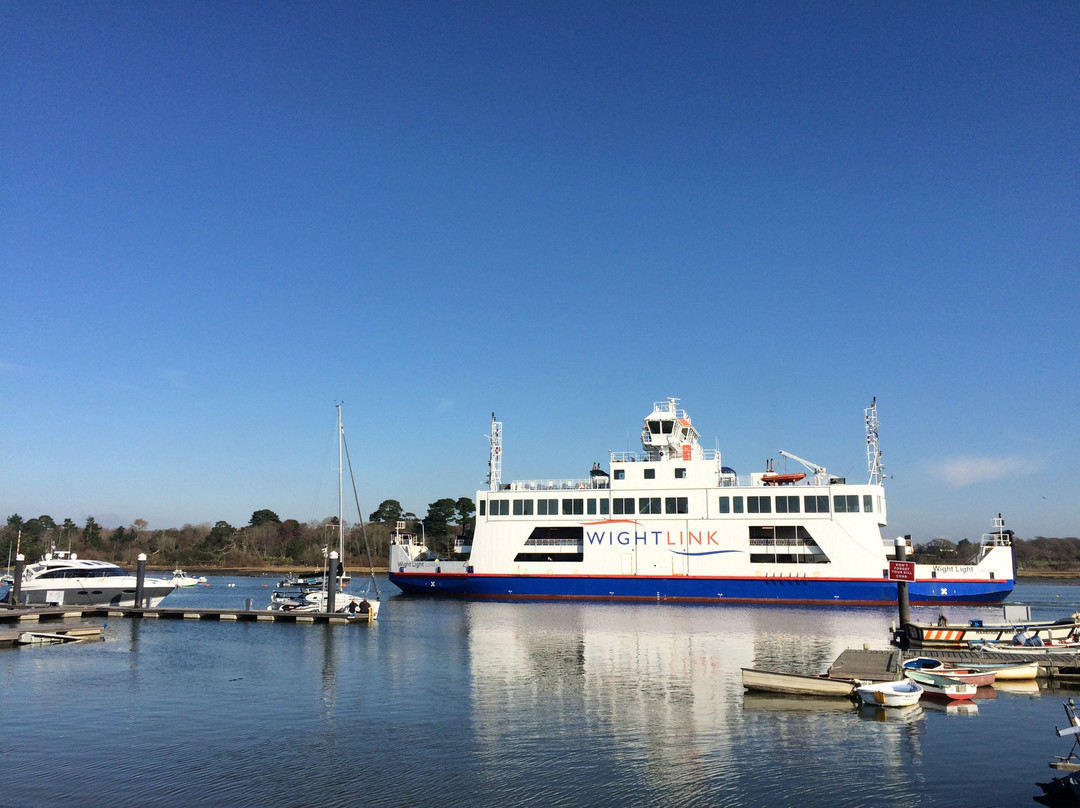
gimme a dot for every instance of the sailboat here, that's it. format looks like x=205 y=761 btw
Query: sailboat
x=312 y=593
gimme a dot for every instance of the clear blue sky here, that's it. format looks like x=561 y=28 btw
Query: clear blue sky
x=219 y=219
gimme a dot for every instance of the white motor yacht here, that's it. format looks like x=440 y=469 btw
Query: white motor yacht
x=64 y=579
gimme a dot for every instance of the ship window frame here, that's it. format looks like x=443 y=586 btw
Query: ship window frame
x=605 y=507
x=676 y=505
x=573 y=506
x=649 y=505
x=620 y=474
x=650 y=474
x=787 y=504
x=868 y=503
x=725 y=505
x=680 y=473
x=759 y=504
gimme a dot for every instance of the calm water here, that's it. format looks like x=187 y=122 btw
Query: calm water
x=491 y=704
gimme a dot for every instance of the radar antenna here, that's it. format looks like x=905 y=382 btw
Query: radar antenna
x=873 y=451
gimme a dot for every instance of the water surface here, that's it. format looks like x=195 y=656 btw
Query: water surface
x=445 y=703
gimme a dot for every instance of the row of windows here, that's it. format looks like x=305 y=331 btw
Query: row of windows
x=811 y=503
x=650 y=474
x=620 y=506
x=592 y=507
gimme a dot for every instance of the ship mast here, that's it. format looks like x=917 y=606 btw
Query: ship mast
x=873 y=451
x=495 y=460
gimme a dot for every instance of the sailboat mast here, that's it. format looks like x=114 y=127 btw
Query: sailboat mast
x=340 y=506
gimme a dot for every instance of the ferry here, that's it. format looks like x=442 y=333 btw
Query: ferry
x=673 y=524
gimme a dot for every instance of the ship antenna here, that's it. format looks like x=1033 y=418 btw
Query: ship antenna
x=873 y=450
x=495 y=460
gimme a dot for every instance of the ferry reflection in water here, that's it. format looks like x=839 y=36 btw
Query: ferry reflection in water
x=648 y=702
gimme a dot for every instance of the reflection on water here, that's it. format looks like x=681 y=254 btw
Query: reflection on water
x=493 y=704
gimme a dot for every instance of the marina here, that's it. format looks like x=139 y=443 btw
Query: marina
x=635 y=704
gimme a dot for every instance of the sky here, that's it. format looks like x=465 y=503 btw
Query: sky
x=219 y=220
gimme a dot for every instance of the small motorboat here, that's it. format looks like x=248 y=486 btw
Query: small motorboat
x=961 y=674
x=904 y=693
x=945 y=687
x=182 y=579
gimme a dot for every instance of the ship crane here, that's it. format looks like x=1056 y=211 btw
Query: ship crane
x=821 y=476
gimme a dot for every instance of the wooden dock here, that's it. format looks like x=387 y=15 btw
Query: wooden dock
x=9 y=638
x=884 y=666
x=48 y=614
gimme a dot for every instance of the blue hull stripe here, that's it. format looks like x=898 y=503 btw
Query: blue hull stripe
x=816 y=591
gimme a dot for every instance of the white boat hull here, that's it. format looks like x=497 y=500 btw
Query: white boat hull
x=891 y=694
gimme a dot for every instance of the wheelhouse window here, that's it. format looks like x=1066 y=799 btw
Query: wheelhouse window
x=846 y=503
x=868 y=503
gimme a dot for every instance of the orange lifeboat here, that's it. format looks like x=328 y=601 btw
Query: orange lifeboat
x=781 y=479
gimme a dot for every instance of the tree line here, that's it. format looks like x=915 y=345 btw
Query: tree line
x=267 y=540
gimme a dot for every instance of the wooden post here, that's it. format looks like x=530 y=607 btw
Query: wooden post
x=901 y=586
x=332 y=582
x=140 y=575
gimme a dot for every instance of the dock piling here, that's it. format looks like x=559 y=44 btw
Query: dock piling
x=140 y=576
x=332 y=583
x=902 y=586
x=16 y=586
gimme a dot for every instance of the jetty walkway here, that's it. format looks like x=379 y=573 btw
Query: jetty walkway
x=882 y=666
x=43 y=614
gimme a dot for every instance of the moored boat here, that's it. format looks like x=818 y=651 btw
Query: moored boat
x=942 y=686
x=323 y=590
x=979 y=678
x=182 y=579
x=61 y=578
x=944 y=634
x=903 y=693
x=673 y=523
x=797 y=684
x=1008 y=671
